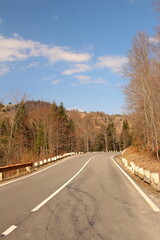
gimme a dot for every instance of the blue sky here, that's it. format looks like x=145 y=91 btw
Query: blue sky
x=69 y=51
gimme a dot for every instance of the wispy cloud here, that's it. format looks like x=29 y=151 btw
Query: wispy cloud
x=55 y=82
x=83 y=79
x=30 y=65
x=52 y=79
x=55 y=17
x=4 y=69
x=77 y=68
x=115 y=63
x=49 y=78
x=55 y=54
x=18 y=49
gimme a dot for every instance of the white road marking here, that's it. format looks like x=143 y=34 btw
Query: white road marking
x=60 y=189
x=32 y=174
x=147 y=199
x=9 y=230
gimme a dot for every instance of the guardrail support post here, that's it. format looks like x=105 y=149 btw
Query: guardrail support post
x=17 y=172
x=28 y=169
x=1 y=176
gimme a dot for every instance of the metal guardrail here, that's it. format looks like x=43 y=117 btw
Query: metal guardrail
x=15 y=166
x=4 y=171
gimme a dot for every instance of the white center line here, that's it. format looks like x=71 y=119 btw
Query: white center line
x=147 y=199
x=9 y=230
x=60 y=189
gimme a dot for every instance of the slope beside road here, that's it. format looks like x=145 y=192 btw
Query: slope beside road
x=96 y=202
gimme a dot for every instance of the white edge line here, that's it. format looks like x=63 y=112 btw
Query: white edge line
x=39 y=171
x=59 y=189
x=147 y=199
x=9 y=230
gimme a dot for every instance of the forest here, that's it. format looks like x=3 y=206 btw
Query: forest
x=32 y=130
x=143 y=89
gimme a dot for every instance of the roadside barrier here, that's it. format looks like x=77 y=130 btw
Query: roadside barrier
x=23 y=168
x=151 y=178
x=15 y=170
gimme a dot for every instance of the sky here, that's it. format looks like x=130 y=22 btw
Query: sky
x=70 y=51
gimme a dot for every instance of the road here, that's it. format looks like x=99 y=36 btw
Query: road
x=98 y=203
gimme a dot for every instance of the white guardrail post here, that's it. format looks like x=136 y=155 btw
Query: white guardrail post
x=149 y=177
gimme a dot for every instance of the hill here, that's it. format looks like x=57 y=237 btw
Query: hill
x=32 y=129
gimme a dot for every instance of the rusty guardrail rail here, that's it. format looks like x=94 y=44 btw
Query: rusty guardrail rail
x=16 y=167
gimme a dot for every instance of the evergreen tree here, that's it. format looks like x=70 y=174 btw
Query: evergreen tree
x=111 y=137
x=4 y=136
x=21 y=134
x=99 y=143
x=125 y=137
x=20 y=118
x=40 y=140
x=71 y=136
x=62 y=126
x=52 y=128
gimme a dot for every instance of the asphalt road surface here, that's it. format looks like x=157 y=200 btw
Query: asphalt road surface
x=85 y=197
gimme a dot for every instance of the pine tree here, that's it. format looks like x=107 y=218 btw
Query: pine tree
x=4 y=136
x=125 y=137
x=52 y=128
x=20 y=137
x=111 y=137
x=40 y=140
x=71 y=136
x=62 y=129
x=99 y=143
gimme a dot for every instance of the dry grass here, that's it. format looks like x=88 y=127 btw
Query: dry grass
x=142 y=159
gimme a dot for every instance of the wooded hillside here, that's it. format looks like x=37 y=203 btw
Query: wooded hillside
x=34 y=129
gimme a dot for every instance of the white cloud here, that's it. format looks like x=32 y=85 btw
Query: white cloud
x=55 y=82
x=56 y=54
x=18 y=49
x=4 y=69
x=33 y=64
x=14 y=49
x=78 y=68
x=47 y=78
x=1 y=21
x=83 y=79
x=27 y=66
x=52 y=79
x=115 y=63
x=16 y=35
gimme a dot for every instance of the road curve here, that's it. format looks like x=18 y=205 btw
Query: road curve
x=96 y=201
